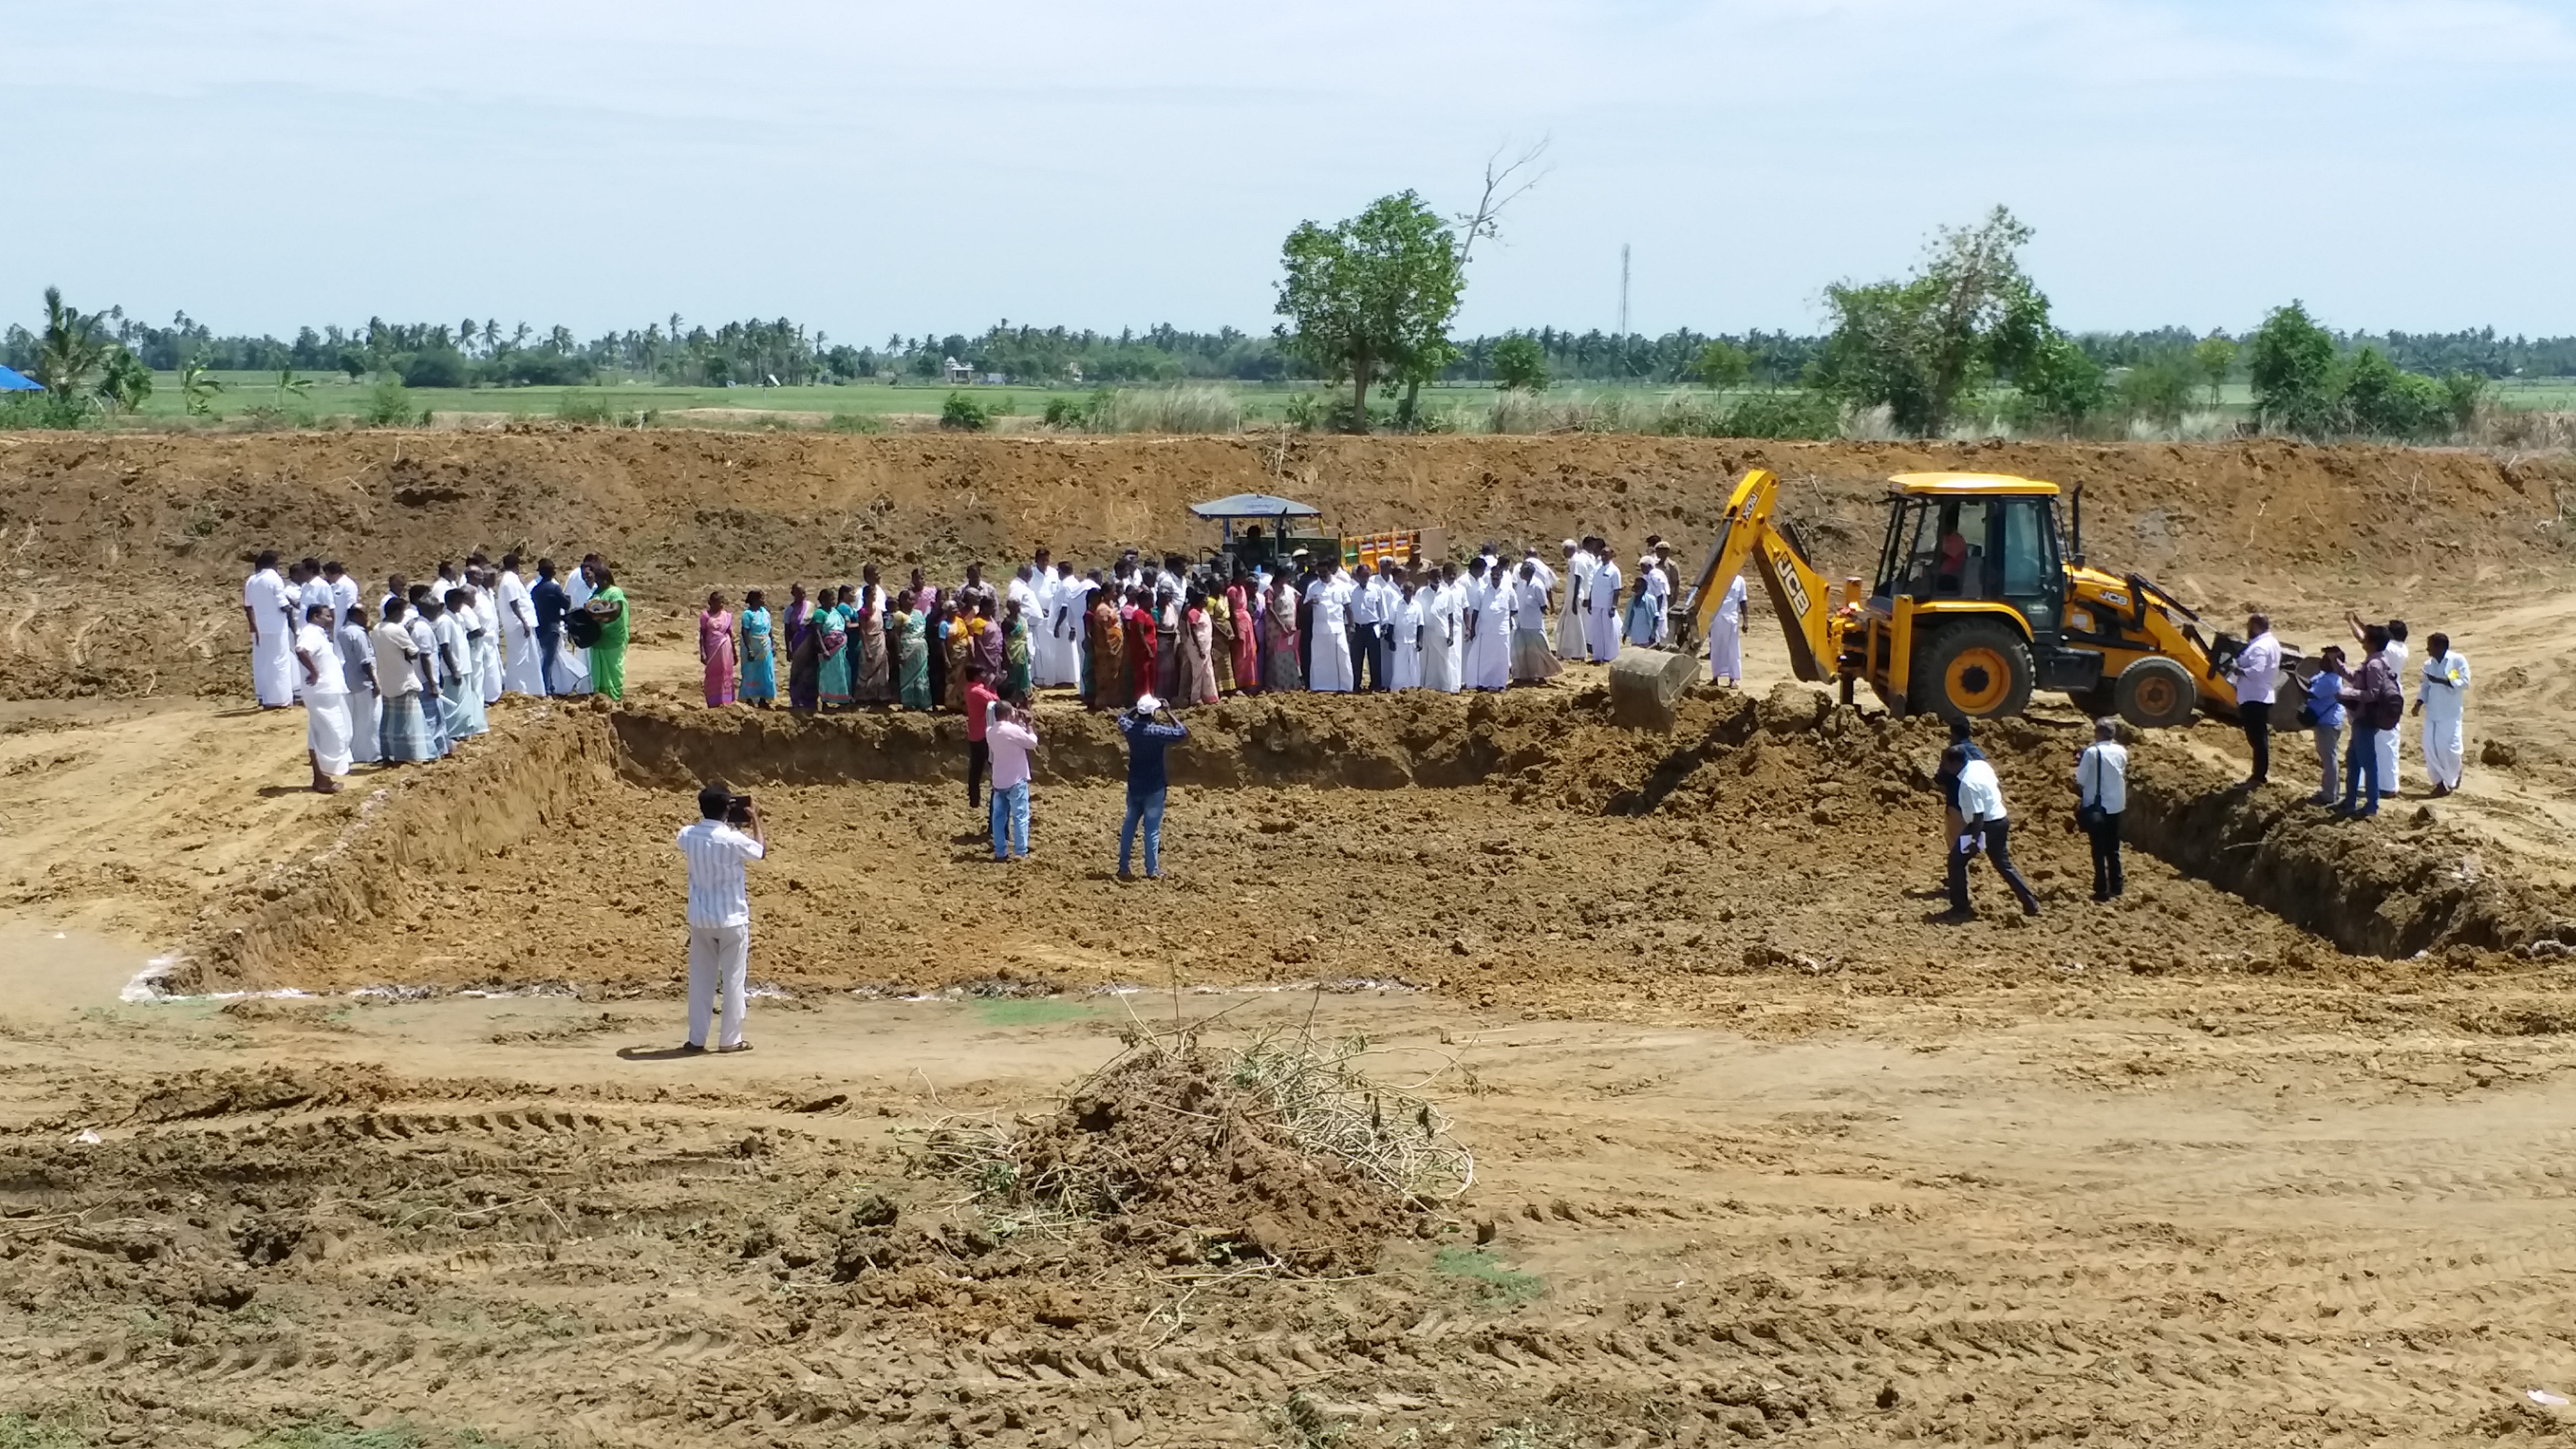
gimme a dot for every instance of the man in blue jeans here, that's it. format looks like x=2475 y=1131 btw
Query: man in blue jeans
x=1150 y=731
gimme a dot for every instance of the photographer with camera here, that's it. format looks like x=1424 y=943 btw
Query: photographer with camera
x=1150 y=731
x=717 y=849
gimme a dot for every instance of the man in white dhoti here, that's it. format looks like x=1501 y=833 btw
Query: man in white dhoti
x=269 y=608
x=1531 y=662
x=1044 y=671
x=1489 y=655
x=326 y=704
x=1443 y=628
x=1569 y=603
x=2441 y=701
x=521 y=670
x=1404 y=642
x=1726 y=635
x=311 y=588
x=1328 y=669
x=344 y=590
x=1601 y=610
x=487 y=642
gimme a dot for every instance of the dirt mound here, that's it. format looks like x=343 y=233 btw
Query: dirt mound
x=1199 y=1159
x=133 y=547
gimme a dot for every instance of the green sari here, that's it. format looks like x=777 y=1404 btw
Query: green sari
x=1015 y=660
x=911 y=659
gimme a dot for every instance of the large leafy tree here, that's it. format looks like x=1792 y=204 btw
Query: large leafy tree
x=1370 y=298
x=2291 y=362
x=71 y=349
x=1519 y=364
x=1917 y=346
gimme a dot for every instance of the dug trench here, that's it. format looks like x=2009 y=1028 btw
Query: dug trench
x=1474 y=844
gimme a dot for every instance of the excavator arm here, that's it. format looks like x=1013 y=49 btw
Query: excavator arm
x=1799 y=594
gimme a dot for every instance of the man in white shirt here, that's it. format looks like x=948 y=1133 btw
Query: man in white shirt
x=2257 y=673
x=344 y=590
x=269 y=608
x=326 y=702
x=1569 y=604
x=1601 y=610
x=2101 y=796
x=1404 y=649
x=2441 y=701
x=1489 y=657
x=358 y=681
x=1726 y=635
x=403 y=733
x=1388 y=597
x=1530 y=660
x=1983 y=830
x=1368 y=652
x=720 y=912
x=485 y=603
x=1440 y=629
x=522 y=669
x=1328 y=668
x=1666 y=577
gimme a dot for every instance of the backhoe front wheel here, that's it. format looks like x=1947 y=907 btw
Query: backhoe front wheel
x=2156 y=694
x=1974 y=669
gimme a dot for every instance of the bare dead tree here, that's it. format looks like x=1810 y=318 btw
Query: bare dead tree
x=1505 y=183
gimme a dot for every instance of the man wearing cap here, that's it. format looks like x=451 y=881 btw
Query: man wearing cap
x=1150 y=733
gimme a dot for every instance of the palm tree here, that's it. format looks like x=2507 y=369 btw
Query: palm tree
x=70 y=349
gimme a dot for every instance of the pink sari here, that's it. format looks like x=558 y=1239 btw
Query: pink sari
x=715 y=646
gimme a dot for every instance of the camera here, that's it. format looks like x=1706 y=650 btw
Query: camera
x=738 y=810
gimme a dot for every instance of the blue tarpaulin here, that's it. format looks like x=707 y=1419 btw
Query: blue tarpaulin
x=14 y=381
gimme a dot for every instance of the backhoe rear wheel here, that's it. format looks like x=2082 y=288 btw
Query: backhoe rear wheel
x=2156 y=694
x=1973 y=669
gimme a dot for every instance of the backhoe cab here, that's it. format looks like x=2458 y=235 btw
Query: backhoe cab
x=1974 y=606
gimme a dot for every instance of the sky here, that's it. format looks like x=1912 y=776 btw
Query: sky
x=873 y=169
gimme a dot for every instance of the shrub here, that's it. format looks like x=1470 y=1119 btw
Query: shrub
x=2060 y=386
x=963 y=414
x=389 y=406
x=440 y=367
x=2160 y=388
x=1788 y=413
x=1304 y=412
x=42 y=410
x=1723 y=365
x=2381 y=400
x=1166 y=410
x=1519 y=364
x=539 y=369
x=1063 y=412
x=582 y=407
x=853 y=423
x=2467 y=393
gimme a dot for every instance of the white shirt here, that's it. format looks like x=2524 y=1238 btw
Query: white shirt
x=1529 y=596
x=424 y=643
x=514 y=597
x=344 y=596
x=356 y=651
x=455 y=656
x=316 y=590
x=1604 y=589
x=1546 y=575
x=2446 y=683
x=717 y=853
x=2102 y=776
x=2257 y=669
x=1981 y=795
x=313 y=639
x=1578 y=575
x=1333 y=605
x=394 y=672
x=1024 y=591
x=265 y=595
x=1364 y=600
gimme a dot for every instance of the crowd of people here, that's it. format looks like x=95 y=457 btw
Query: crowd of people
x=402 y=680
x=2354 y=712
x=1191 y=636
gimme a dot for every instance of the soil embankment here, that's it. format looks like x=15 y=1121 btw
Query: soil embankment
x=126 y=551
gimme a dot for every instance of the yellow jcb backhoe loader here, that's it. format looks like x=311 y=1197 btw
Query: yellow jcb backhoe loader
x=1973 y=608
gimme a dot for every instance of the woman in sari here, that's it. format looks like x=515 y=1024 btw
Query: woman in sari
x=1279 y=632
x=1016 y=683
x=833 y=629
x=759 y=652
x=1197 y=674
x=957 y=648
x=1243 y=646
x=715 y=649
x=608 y=656
x=935 y=623
x=1108 y=655
x=875 y=684
x=804 y=662
x=991 y=649
x=911 y=653
x=1142 y=646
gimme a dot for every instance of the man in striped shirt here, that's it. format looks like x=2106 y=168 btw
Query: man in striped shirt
x=720 y=912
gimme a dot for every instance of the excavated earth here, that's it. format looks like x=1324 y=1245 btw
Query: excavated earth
x=2269 y=1150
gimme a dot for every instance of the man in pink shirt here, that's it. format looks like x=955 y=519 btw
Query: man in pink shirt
x=1011 y=737
x=980 y=700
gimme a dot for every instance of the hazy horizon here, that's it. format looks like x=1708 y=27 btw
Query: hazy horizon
x=876 y=169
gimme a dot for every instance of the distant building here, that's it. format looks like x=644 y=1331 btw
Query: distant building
x=958 y=372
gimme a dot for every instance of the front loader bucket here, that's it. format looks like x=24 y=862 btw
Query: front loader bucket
x=1646 y=687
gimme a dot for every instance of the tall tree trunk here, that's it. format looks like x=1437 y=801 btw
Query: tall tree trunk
x=1405 y=415
x=1359 y=395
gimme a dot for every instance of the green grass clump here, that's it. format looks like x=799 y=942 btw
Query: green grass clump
x=1487 y=1275
x=28 y=1431
x=1029 y=1011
